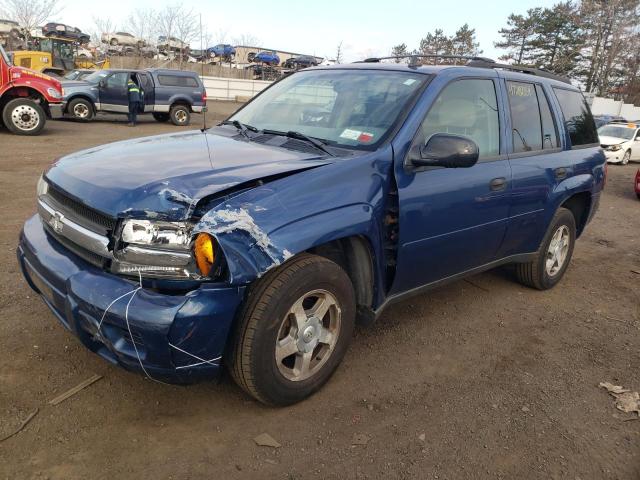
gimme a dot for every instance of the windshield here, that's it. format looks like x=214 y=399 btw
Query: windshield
x=618 y=131
x=95 y=77
x=5 y=57
x=352 y=108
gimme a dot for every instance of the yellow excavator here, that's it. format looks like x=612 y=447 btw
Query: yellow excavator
x=56 y=55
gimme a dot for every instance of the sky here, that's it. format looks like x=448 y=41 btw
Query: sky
x=365 y=28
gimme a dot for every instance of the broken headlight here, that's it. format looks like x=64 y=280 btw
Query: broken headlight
x=157 y=249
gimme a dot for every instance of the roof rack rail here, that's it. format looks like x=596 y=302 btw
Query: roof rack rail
x=414 y=58
x=539 y=72
x=478 y=62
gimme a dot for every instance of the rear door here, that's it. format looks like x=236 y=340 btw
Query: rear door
x=539 y=162
x=113 y=93
x=453 y=219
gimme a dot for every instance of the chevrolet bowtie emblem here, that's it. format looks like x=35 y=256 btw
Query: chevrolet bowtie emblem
x=56 y=222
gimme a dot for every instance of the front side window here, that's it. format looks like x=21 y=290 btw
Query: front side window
x=4 y=55
x=468 y=108
x=351 y=108
x=578 y=120
x=117 y=80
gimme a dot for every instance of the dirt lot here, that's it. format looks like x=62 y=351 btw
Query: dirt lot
x=480 y=379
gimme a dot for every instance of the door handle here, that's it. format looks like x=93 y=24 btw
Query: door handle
x=560 y=172
x=499 y=183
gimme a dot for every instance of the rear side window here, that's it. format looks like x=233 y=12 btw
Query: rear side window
x=578 y=120
x=177 y=81
x=549 y=131
x=525 y=117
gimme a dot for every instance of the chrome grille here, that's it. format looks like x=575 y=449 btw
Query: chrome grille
x=80 y=213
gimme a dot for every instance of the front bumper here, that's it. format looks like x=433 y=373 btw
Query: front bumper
x=178 y=338
x=56 y=110
x=614 y=157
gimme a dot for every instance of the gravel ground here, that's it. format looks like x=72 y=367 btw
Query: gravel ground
x=483 y=378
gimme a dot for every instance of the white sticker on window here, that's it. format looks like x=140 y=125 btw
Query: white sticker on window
x=409 y=81
x=350 y=134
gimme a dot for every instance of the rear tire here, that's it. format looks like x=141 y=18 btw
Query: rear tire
x=23 y=116
x=161 y=117
x=80 y=109
x=285 y=349
x=553 y=256
x=180 y=115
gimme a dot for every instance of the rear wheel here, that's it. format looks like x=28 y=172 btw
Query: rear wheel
x=180 y=115
x=23 y=116
x=80 y=109
x=294 y=330
x=161 y=117
x=554 y=254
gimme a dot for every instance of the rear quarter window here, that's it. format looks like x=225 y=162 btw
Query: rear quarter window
x=177 y=81
x=578 y=120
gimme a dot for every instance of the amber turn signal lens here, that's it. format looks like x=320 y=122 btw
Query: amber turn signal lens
x=204 y=253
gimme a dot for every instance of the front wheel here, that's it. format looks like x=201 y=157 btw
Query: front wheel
x=80 y=109
x=180 y=115
x=23 y=116
x=554 y=254
x=626 y=157
x=294 y=330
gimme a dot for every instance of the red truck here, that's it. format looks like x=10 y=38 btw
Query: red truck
x=27 y=98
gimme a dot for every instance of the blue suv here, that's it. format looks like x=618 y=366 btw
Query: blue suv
x=258 y=244
x=167 y=94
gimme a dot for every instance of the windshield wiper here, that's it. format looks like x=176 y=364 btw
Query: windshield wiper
x=319 y=144
x=242 y=127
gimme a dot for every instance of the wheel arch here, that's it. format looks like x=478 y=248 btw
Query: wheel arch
x=24 y=92
x=579 y=204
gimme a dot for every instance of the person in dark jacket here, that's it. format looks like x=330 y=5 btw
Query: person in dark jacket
x=135 y=100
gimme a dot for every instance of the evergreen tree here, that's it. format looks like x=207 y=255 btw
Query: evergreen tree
x=558 y=39
x=436 y=43
x=464 y=42
x=399 y=51
x=517 y=36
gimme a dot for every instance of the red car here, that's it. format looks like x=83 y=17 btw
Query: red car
x=636 y=184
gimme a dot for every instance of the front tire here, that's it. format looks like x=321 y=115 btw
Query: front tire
x=553 y=256
x=80 y=109
x=293 y=331
x=180 y=115
x=114 y=42
x=626 y=157
x=23 y=116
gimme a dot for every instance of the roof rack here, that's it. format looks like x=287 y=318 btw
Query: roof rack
x=414 y=58
x=478 y=62
x=539 y=72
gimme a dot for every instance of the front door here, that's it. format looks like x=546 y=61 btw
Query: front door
x=113 y=93
x=454 y=219
x=148 y=92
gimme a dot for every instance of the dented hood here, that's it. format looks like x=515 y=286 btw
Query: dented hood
x=166 y=175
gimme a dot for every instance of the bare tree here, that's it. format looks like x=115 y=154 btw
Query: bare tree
x=101 y=25
x=29 y=13
x=142 y=23
x=176 y=21
x=339 y=52
x=246 y=40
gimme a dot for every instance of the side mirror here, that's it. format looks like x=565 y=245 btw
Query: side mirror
x=102 y=83
x=449 y=151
